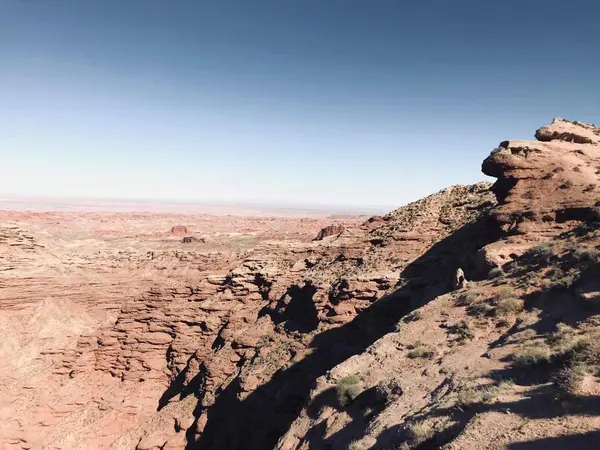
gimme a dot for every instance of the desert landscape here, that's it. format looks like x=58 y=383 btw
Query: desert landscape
x=466 y=320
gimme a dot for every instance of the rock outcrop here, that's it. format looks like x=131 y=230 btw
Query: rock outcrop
x=330 y=230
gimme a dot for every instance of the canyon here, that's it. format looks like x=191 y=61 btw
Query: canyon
x=166 y=330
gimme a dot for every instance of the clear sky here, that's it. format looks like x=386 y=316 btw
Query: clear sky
x=317 y=102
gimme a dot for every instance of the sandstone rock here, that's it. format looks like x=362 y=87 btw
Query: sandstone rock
x=179 y=229
x=331 y=230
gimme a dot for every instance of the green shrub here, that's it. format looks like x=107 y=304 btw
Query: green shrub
x=347 y=389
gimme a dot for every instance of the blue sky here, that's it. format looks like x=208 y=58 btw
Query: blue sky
x=312 y=102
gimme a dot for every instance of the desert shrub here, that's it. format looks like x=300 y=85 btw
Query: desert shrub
x=584 y=352
x=464 y=332
x=481 y=309
x=585 y=254
x=467 y=298
x=497 y=150
x=495 y=272
x=566 y=185
x=414 y=316
x=504 y=292
x=418 y=432
x=420 y=350
x=562 y=337
x=356 y=445
x=567 y=381
x=475 y=395
x=388 y=390
x=540 y=254
x=532 y=355
x=509 y=305
x=347 y=389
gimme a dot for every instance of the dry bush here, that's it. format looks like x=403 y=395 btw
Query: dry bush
x=495 y=272
x=356 y=445
x=532 y=355
x=562 y=337
x=567 y=381
x=504 y=292
x=418 y=432
x=467 y=298
x=585 y=351
x=481 y=309
x=586 y=254
x=347 y=389
x=540 y=254
x=388 y=390
x=464 y=332
x=420 y=350
x=509 y=305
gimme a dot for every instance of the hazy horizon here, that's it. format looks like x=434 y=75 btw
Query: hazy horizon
x=336 y=103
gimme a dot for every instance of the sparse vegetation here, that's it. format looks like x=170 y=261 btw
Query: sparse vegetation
x=388 y=390
x=567 y=381
x=481 y=309
x=347 y=389
x=356 y=445
x=532 y=355
x=475 y=395
x=495 y=272
x=467 y=298
x=420 y=350
x=586 y=254
x=418 y=432
x=509 y=306
x=504 y=292
x=562 y=338
x=566 y=185
x=464 y=332
x=540 y=254
x=414 y=316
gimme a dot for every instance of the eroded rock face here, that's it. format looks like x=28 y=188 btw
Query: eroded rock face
x=543 y=187
x=330 y=230
x=553 y=180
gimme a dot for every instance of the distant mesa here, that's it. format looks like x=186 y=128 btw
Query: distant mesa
x=330 y=230
x=179 y=229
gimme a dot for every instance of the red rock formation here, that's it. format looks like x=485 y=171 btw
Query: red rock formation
x=330 y=230
x=179 y=229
